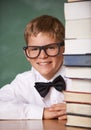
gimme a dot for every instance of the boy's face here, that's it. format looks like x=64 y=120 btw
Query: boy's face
x=47 y=66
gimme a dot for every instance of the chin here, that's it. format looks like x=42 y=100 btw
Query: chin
x=48 y=76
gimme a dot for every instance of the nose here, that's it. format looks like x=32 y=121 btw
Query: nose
x=43 y=54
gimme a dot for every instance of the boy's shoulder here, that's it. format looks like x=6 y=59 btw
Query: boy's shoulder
x=24 y=75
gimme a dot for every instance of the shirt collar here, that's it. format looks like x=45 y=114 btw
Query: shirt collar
x=39 y=78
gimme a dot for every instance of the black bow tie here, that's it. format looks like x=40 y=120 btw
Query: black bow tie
x=43 y=88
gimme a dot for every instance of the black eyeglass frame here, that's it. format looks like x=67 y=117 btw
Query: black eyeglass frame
x=44 y=48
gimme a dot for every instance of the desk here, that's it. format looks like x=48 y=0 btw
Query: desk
x=35 y=125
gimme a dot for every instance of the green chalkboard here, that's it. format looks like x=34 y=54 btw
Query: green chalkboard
x=14 y=15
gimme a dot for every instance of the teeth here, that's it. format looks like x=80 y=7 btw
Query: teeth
x=43 y=63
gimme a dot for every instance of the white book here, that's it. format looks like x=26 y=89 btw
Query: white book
x=75 y=128
x=77 y=10
x=77 y=97
x=78 y=29
x=79 y=121
x=78 y=72
x=78 y=108
x=80 y=85
x=77 y=46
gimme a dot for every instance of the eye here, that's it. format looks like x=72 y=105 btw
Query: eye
x=34 y=49
x=52 y=47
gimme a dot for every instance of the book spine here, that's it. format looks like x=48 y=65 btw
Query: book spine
x=77 y=60
x=77 y=10
x=80 y=29
x=78 y=46
x=79 y=121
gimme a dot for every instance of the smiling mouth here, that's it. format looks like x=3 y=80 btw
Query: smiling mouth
x=44 y=63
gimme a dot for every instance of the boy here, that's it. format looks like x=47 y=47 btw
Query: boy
x=44 y=47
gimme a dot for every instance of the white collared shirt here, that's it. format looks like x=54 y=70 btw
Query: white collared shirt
x=20 y=99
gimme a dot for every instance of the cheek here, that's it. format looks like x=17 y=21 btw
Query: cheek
x=31 y=61
x=59 y=60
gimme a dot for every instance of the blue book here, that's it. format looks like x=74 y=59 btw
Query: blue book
x=77 y=60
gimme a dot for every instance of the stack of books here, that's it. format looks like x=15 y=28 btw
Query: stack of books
x=77 y=61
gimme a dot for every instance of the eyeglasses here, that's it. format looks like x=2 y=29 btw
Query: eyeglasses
x=51 y=50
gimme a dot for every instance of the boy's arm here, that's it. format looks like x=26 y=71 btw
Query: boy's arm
x=55 y=111
x=15 y=107
x=10 y=110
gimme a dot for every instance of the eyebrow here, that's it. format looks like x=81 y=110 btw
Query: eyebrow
x=61 y=43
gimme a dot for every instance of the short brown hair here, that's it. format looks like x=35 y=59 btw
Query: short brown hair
x=45 y=24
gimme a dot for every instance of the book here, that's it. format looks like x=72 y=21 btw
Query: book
x=77 y=60
x=77 y=97
x=77 y=10
x=78 y=72
x=78 y=120
x=78 y=29
x=78 y=108
x=75 y=128
x=80 y=85
x=77 y=46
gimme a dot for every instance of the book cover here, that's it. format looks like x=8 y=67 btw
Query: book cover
x=77 y=46
x=80 y=29
x=77 y=60
x=78 y=120
x=77 y=97
x=78 y=72
x=80 y=85
x=77 y=10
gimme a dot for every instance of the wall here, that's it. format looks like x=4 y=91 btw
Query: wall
x=14 y=15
